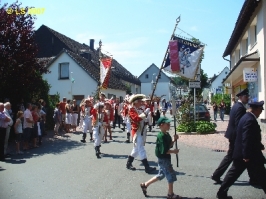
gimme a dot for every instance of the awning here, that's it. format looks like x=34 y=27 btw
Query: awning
x=246 y=61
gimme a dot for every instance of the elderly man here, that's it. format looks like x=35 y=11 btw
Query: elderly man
x=248 y=151
x=138 y=131
x=7 y=110
x=4 y=120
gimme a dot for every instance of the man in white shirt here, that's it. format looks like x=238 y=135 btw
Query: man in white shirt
x=7 y=108
x=4 y=120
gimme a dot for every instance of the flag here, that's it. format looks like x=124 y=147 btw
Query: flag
x=189 y=54
x=105 y=67
x=72 y=80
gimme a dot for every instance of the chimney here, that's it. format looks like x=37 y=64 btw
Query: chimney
x=92 y=44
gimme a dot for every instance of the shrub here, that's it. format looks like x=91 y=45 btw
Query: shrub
x=201 y=127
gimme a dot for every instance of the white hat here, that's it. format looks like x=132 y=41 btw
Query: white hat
x=96 y=106
x=136 y=97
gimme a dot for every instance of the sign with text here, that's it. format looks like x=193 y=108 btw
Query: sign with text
x=194 y=84
x=250 y=75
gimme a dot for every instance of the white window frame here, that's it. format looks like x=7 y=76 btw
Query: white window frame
x=61 y=74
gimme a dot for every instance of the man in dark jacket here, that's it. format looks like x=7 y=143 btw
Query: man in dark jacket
x=237 y=111
x=247 y=153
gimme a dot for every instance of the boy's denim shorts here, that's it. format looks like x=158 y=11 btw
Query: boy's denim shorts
x=166 y=170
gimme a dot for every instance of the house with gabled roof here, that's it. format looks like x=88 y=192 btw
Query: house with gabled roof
x=246 y=51
x=74 y=67
x=165 y=87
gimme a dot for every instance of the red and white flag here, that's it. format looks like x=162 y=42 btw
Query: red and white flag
x=105 y=67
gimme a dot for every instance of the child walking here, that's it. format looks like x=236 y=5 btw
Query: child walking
x=18 y=131
x=163 y=144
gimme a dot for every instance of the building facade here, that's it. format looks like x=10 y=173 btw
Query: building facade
x=246 y=49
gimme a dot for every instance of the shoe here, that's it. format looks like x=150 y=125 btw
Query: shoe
x=127 y=141
x=83 y=141
x=223 y=196
x=217 y=180
x=144 y=189
x=253 y=182
x=172 y=196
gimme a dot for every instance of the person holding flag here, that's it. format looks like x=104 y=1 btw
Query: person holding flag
x=138 y=119
x=87 y=120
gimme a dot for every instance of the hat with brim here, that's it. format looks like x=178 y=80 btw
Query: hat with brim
x=243 y=92
x=163 y=120
x=256 y=104
x=103 y=94
x=136 y=97
x=87 y=100
x=146 y=99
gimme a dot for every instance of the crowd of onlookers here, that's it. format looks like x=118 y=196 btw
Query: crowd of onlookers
x=28 y=123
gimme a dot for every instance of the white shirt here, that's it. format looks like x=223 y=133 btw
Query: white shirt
x=27 y=114
x=10 y=123
x=3 y=124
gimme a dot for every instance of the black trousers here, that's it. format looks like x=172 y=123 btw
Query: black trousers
x=225 y=162
x=257 y=168
x=117 y=119
x=2 y=142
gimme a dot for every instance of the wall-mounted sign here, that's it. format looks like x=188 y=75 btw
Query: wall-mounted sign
x=250 y=75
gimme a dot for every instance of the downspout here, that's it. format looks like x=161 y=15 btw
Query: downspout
x=228 y=61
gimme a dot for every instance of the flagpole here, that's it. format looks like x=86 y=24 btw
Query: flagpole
x=165 y=56
x=99 y=84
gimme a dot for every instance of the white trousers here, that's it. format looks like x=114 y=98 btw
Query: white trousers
x=87 y=125
x=74 y=117
x=128 y=125
x=138 y=148
x=81 y=121
x=98 y=136
x=149 y=118
x=68 y=118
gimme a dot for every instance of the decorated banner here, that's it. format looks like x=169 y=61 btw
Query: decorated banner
x=174 y=56
x=189 y=54
x=250 y=75
x=105 y=67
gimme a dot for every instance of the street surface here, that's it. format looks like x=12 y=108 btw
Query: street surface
x=66 y=168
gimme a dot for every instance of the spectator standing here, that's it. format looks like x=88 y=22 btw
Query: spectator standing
x=57 y=119
x=117 y=113
x=74 y=115
x=222 y=109
x=68 y=116
x=4 y=120
x=62 y=108
x=215 y=111
x=43 y=112
x=18 y=131
x=7 y=108
x=28 y=126
x=36 y=119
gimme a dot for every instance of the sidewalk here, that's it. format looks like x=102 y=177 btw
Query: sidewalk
x=216 y=141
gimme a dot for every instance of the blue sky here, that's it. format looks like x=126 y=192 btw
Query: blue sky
x=137 y=32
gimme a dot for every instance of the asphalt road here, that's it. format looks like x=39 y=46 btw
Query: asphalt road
x=66 y=168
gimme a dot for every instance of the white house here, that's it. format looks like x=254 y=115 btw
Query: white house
x=165 y=86
x=216 y=83
x=72 y=76
x=71 y=59
x=246 y=48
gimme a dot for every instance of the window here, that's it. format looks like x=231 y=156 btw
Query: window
x=64 y=71
x=121 y=99
x=255 y=33
x=226 y=73
x=147 y=76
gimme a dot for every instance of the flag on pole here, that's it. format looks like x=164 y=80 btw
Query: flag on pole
x=189 y=54
x=105 y=69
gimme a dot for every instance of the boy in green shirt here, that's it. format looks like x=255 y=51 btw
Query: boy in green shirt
x=163 y=144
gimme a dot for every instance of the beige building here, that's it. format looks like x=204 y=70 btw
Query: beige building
x=247 y=51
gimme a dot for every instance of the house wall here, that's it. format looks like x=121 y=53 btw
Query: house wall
x=118 y=93
x=257 y=26
x=83 y=85
x=218 y=82
x=151 y=73
x=162 y=88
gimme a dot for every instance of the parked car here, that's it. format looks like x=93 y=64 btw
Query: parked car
x=202 y=112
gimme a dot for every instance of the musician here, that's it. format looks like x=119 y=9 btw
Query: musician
x=99 y=121
x=87 y=120
x=138 y=131
x=125 y=114
x=110 y=115
x=149 y=116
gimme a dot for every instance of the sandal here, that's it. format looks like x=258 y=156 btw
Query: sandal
x=173 y=196
x=144 y=189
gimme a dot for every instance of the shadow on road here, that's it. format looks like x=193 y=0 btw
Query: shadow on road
x=114 y=156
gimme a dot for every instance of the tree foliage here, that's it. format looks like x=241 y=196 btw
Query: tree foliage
x=20 y=72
